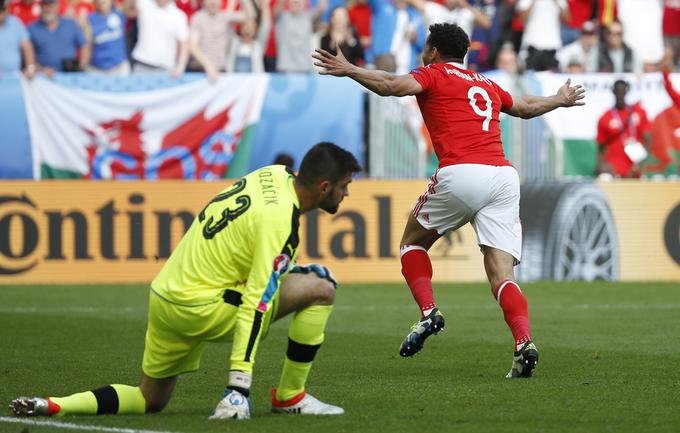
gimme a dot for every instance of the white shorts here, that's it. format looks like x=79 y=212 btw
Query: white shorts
x=487 y=196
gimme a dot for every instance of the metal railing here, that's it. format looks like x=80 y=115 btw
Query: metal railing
x=398 y=146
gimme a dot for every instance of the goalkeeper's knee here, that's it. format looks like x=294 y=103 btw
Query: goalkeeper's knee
x=317 y=269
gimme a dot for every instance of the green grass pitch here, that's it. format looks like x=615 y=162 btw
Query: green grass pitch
x=609 y=361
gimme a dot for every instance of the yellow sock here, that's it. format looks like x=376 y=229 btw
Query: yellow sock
x=110 y=399
x=82 y=403
x=305 y=335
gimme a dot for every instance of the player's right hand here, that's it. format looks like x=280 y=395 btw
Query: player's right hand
x=233 y=405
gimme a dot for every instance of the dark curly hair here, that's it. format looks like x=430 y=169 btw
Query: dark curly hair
x=450 y=40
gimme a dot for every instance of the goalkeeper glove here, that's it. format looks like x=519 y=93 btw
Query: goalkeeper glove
x=233 y=405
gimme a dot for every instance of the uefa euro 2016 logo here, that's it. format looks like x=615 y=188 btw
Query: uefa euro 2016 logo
x=281 y=264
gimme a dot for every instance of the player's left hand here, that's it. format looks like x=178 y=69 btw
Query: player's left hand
x=571 y=95
x=233 y=405
x=330 y=64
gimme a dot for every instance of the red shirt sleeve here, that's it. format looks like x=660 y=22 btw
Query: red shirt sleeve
x=423 y=76
x=675 y=96
x=506 y=98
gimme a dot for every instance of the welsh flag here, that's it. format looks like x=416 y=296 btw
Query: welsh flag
x=190 y=131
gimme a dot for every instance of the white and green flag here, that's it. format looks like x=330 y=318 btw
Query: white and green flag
x=190 y=131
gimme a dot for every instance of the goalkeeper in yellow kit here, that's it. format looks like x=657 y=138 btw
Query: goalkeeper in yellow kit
x=231 y=275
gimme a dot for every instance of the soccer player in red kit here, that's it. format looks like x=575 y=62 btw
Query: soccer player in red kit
x=474 y=182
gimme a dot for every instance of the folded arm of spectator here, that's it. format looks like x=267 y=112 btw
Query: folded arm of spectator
x=29 y=58
x=182 y=59
x=198 y=54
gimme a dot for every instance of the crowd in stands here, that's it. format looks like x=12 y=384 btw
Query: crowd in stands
x=214 y=36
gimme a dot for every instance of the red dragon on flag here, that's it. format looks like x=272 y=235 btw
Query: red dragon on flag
x=197 y=149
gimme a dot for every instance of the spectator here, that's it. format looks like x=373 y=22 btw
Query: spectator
x=107 y=36
x=14 y=45
x=541 y=38
x=458 y=12
x=59 y=42
x=671 y=26
x=341 y=32
x=614 y=55
x=294 y=34
x=620 y=134
x=360 y=17
x=163 y=38
x=575 y=66
x=583 y=51
x=506 y=60
x=211 y=35
x=506 y=27
x=246 y=55
x=642 y=23
x=398 y=35
x=28 y=11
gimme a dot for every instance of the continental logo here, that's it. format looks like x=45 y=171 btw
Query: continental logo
x=91 y=229
x=112 y=231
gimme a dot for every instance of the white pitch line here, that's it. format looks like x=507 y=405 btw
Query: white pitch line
x=72 y=426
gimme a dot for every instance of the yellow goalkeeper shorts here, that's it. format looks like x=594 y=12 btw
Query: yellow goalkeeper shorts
x=176 y=335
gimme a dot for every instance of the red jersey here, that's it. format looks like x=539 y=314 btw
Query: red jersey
x=461 y=109
x=360 y=17
x=614 y=127
x=671 y=17
x=27 y=13
x=78 y=10
x=581 y=11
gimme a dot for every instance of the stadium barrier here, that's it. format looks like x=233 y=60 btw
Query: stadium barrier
x=104 y=232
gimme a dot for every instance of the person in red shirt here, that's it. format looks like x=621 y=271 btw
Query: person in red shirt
x=28 y=11
x=474 y=183
x=360 y=16
x=623 y=125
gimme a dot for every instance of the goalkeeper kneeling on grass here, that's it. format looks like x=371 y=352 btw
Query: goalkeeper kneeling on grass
x=232 y=274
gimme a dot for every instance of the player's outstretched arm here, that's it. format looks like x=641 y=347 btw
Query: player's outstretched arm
x=380 y=82
x=530 y=106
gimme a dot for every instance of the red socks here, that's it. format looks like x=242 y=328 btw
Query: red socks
x=417 y=269
x=515 y=309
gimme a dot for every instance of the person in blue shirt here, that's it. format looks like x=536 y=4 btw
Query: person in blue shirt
x=398 y=35
x=14 y=43
x=59 y=42
x=107 y=30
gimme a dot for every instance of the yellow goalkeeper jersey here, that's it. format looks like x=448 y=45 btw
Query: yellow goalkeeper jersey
x=245 y=239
